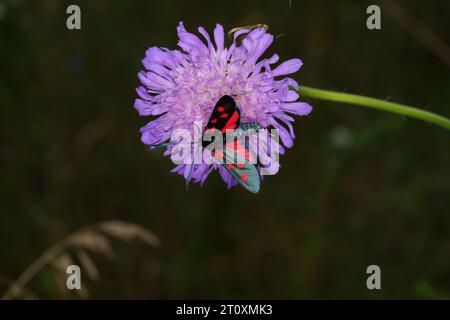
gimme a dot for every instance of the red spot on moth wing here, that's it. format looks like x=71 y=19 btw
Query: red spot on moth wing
x=224 y=115
x=229 y=166
x=220 y=109
x=213 y=121
x=232 y=122
x=240 y=166
x=244 y=177
x=242 y=151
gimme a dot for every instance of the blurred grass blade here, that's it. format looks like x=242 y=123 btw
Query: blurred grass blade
x=88 y=264
x=127 y=231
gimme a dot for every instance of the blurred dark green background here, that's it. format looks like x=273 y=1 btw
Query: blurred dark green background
x=360 y=187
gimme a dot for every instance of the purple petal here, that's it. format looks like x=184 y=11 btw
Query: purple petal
x=155 y=54
x=161 y=56
x=284 y=134
x=287 y=120
x=273 y=108
x=154 y=81
x=258 y=47
x=142 y=92
x=227 y=177
x=146 y=108
x=287 y=82
x=219 y=37
x=298 y=108
x=205 y=34
x=178 y=169
x=290 y=95
x=188 y=41
x=201 y=172
x=156 y=67
x=287 y=67
x=149 y=138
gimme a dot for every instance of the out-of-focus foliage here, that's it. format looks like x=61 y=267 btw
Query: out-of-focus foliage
x=76 y=250
x=360 y=187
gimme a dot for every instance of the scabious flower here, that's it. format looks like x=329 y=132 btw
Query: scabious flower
x=180 y=87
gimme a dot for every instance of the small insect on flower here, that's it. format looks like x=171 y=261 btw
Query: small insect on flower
x=239 y=38
x=228 y=89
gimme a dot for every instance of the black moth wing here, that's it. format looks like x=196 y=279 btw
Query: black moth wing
x=226 y=115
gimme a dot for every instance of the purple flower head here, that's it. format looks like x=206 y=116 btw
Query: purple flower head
x=182 y=86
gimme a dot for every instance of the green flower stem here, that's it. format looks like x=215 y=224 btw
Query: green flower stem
x=376 y=104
